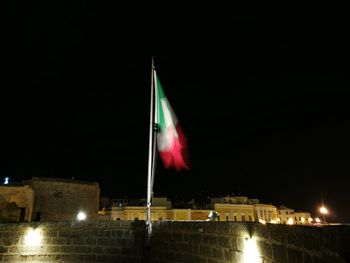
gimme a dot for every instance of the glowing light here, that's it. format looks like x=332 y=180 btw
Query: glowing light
x=6 y=180
x=303 y=220
x=33 y=237
x=317 y=220
x=212 y=215
x=262 y=221
x=251 y=251
x=290 y=221
x=324 y=210
x=310 y=220
x=81 y=216
x=273 y=221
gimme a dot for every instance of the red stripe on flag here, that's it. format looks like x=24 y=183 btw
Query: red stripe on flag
x=177 y=156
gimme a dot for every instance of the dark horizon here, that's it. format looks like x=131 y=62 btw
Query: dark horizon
x=261 y=92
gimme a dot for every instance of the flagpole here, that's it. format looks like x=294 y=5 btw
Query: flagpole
x=150 y=160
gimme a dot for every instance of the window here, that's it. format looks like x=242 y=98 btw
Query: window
x=243 y=217
x=235 y=217
x=226 y=218
x=250 y=218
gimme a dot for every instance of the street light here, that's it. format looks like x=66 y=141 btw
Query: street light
x=324 y=211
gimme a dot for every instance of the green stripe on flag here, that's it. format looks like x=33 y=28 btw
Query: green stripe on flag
x=161 y=96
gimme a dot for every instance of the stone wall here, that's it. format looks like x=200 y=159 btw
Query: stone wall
x=230 y=242
x=58 y=199
x=175 y=242
x=119 y=241
x=21 y=198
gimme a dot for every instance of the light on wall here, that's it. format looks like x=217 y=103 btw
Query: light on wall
x=251 y=251
x=262 y=221
x=33 y=237
x=81 y=216
x=290 y=221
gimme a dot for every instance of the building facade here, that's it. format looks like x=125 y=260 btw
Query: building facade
x=16 y=203
x=58 y=199
x=241 y=208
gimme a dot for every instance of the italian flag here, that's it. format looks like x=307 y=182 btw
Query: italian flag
x=171 y=140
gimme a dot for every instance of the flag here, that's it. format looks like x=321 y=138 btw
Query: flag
x=171 y=141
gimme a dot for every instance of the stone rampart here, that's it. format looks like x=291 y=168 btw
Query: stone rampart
x=174 y=242
x=231 y=242
x=119 y=241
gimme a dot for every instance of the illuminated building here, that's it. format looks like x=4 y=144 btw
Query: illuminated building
x=16 y=203
x=302 y=218
x=58 y=199
x=241 y=208
x=284 y=214
x=161 y=210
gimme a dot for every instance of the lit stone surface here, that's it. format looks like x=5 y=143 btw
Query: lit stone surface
x=174 y=242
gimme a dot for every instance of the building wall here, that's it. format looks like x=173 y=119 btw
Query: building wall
x=197 y=214
x=284 y=214
x=22 y=196
x=137 y=213
x=235 y=212
x=265 y=213
x=62 y=199
x=119 y=241
x=157 y=213
x=302 y=218
x=175 y=242
x=179 y=214
x=234 y=242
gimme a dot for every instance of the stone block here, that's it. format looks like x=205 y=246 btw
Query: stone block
x=217 y=253
x=279 y=233
x=294 y=256
x=90 y=241
x=97 y=250
x=240 y=241
x=53 y=249
x=66 y=249
x=177 y=236
x=230 y=255
x=195 y=238
x=3 y=249
x=265 y=249
x=224 y=242
x=103 y=241
x=188 y=259
x=211 y=260
x=80 y=249
x=205 y=251
x=279 y=253
x=209 y=239
x=78 y=241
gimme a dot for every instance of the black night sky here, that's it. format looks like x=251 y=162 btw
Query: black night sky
x=262 y=93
